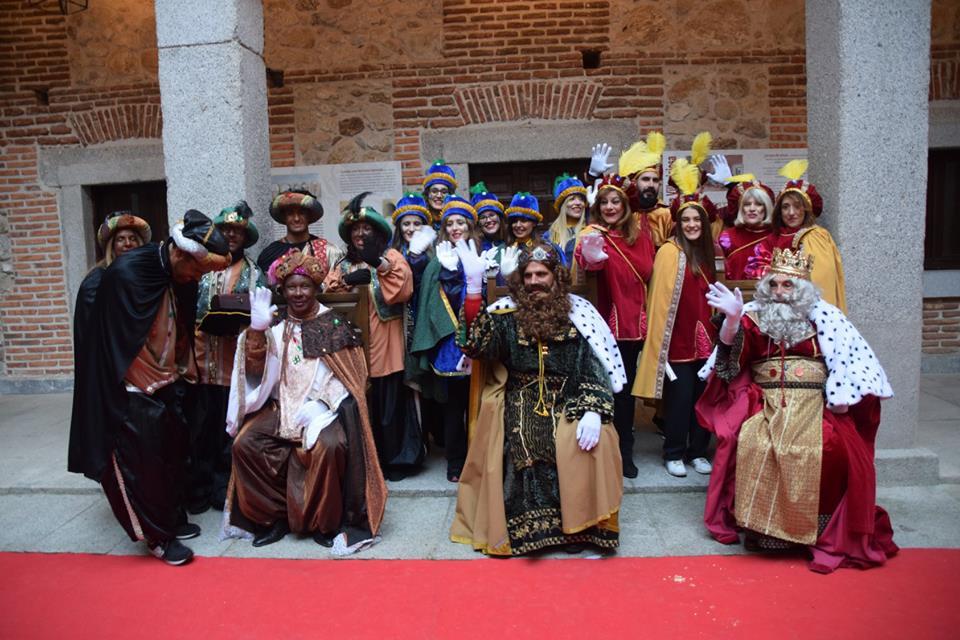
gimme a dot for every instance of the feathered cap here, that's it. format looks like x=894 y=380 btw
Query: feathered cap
x=686 y=176
x=564 y=187
x=793 y=264
x=197 y=235
x=455 y=205
x=793 y=171
x=305 y=200
x=644 y=155
x=296 y=263
x=239 y=215
x=122 y=220
x=524 y=205
x=411 y=204
x=355 y=212
x=483 y=200
x=739 y=184
x=440 y=173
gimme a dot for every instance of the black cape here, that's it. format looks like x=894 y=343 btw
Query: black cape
x=83 y=309
x=276 y=249
x=109 y=338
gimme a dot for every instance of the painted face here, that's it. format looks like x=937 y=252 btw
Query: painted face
x=185 y=268
x=296 y=220
x=538 y=279
x=300 y=292
x=753 y=212
x=782 y=288
x=611 y=206
x=691 y=224
x=521 y=228
x=409 y=226
x=436 y=195
x=456 y=227
x=235 y=235
x=574 y=206
x=490 y=222
x=791 y=211
x=359 y=233
x=124 y=240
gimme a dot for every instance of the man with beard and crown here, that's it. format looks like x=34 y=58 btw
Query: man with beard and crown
x=794 y=401
x=216 y=343
x=642 y=169
x=304 y=459
x=297 y=210
x=128 y=430
x=372 y=263
x=543 y=467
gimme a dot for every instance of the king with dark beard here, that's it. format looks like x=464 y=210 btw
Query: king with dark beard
x=543 y=468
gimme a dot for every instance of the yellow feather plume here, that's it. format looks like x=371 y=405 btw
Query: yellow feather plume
x=685 y=175
x=631 y=159
x=742 y=177
x=656 y=142
x=794 y=169
x=701 y=147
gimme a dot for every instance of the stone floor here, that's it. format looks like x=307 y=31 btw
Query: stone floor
x=43 y=508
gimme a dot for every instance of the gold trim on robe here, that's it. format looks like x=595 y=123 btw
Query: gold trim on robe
x=780 y=451
x=663 y=298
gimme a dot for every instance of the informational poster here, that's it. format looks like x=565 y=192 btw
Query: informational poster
x=762 y=163
x=335 y=184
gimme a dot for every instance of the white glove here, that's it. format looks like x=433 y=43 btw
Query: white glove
x=730 y=304
x=447 y=256
x=721 y=169
x=474 y=267
x=308 y=411
x=588 y=430
x=591 y=247
x=422 y=239
x=509 y=260
x=261 y=311
x=489 y=257
x=598 y=159
x=592 y=192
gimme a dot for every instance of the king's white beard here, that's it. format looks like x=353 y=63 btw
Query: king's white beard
x=788 y=321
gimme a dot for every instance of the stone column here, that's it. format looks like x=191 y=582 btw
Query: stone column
x=868 y=67
x=214 y=99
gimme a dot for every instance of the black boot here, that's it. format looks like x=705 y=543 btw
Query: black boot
x=275 y=533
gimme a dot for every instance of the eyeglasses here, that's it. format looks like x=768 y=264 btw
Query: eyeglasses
x=488 y=216
x=438 y=191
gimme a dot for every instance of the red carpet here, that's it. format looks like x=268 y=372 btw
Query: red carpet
x=914 y=596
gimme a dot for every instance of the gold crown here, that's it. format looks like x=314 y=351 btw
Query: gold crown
x=791 y=263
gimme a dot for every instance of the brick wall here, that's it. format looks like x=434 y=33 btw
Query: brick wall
x=941 y=326
x=423 y=66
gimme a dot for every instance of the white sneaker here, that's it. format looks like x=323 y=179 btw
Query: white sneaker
x=702 y=466
x=676 y=468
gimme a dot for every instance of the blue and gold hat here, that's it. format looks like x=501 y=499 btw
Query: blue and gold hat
x=440 y=173
x=483 y=200
x=564 y=187
x=456 y=205
x=411 y=204
x=239 y=214
x=524 y=205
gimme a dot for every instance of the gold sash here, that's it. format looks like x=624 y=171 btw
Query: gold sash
x=780 y=450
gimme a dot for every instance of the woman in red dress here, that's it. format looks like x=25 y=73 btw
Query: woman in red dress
x=619 y=247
